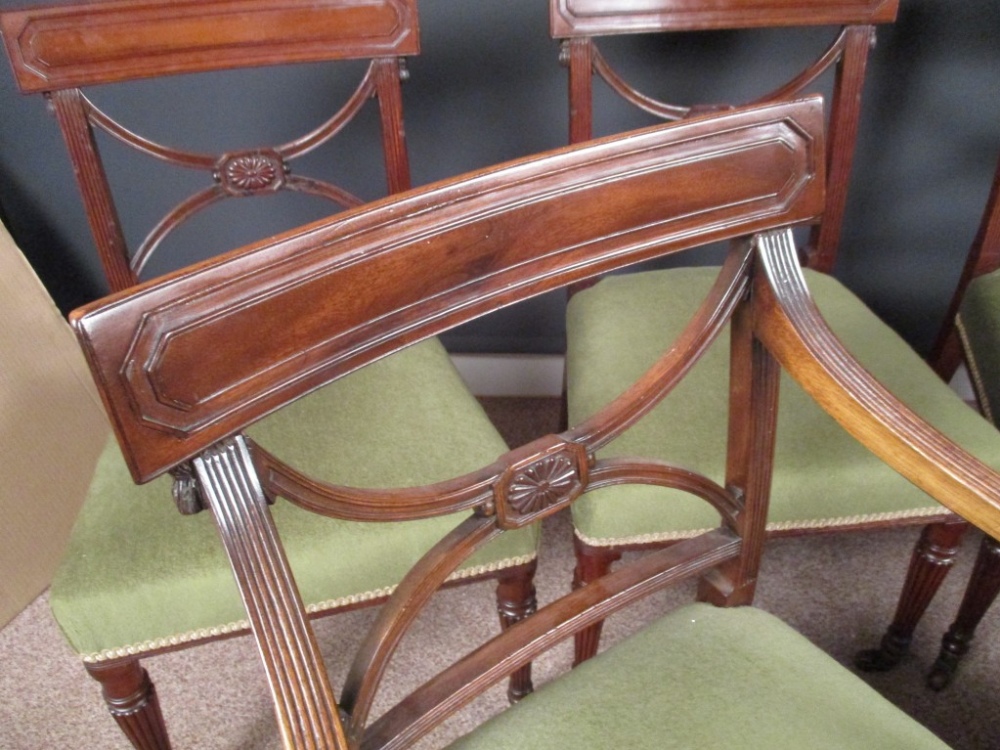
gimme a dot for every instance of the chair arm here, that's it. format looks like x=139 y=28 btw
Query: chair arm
x=789 y=324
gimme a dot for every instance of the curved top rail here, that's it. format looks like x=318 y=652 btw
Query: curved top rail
x=88 y=43
x=667 y=111
x=574 y=18
x=189 y=359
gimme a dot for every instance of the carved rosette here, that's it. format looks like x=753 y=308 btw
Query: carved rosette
x=550 y=476
x=540 y=485
x=251 y=172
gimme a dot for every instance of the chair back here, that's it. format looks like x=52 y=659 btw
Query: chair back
x=59 y=50
x=581 y=24
x=185 y=362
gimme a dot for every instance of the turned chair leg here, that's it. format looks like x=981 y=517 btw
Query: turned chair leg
x=984 y=585
x=132 y=701
x=516 y=601
x=933 y=556
x=591 y=564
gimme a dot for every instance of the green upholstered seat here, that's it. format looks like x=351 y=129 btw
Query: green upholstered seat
x=138 y=575
x=822 y=477
x=706 y=678
x=978 y=324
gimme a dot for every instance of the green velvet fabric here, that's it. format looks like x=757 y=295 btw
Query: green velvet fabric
x=704 y=678
x=979 y=326
x=822 y=477
x=137 y=571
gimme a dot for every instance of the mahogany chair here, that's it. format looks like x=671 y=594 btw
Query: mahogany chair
x=971 y=332
x=707 y=676
x=137 y=579
x=823 y=482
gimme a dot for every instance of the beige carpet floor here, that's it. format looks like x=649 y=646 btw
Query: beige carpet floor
x=837 y=590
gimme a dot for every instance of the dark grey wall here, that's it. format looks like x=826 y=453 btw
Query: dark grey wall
x=487 y=87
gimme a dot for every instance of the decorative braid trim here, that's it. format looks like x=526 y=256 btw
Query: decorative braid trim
x=864 y=518
x=193 y=636
x=819 y=523
x=978 y=384
x=159 y=644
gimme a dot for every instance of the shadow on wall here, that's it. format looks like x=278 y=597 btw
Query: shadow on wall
x=930 y=136
x=69 y=280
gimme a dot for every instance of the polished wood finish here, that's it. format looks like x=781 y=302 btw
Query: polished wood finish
x=933 y=557
x=982 y=591
x=132 y=701
x=570 y=18
x=58 y=50
x=984 y=583
x=102 y=215
x=516 y=600
x=792 y=328
x=591 y=563
x=88 y=43
x=168 y=406
x=928 y=569
x=286 y=643
x=581 y=24
x=460 y=683
x=853 y=46
x=438 y=257
x=753 y=418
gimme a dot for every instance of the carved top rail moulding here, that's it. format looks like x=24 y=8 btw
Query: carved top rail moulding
x=199 y=355
x=82 y=44
x=571 y=18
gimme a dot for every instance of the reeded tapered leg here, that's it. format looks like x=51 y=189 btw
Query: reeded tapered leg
x=132 y=700
x=984 y=585
x=515 y=601
x=591 y=564
x=933 y=557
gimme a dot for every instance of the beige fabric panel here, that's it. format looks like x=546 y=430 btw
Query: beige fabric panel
x=52 y=427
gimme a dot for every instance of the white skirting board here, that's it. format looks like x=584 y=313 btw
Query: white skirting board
x=511 y=374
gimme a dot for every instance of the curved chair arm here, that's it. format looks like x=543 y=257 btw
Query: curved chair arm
x=790 y=325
